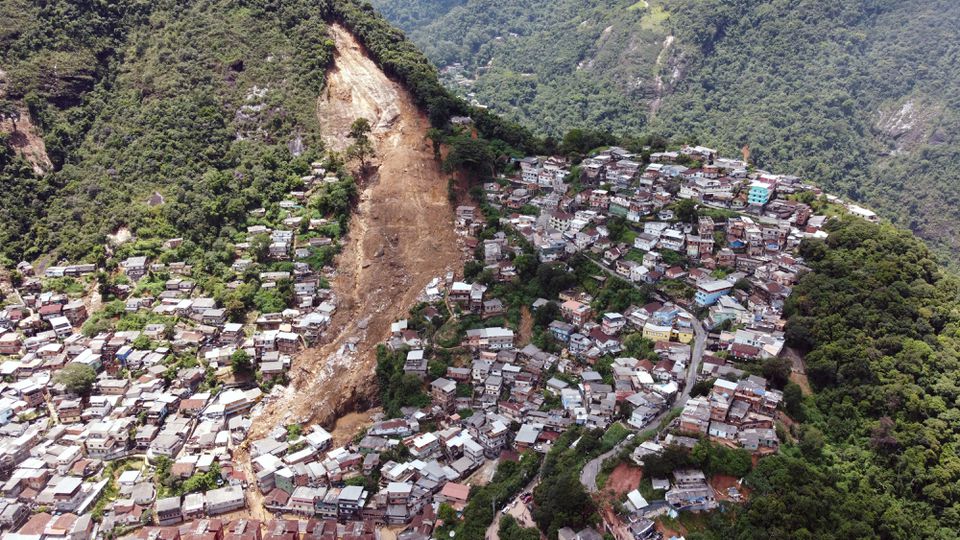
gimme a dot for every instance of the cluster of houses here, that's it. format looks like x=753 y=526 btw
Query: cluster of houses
x=738 y=413
x=732 y=257
x=156 y=394
x=735 y=258
x=155 y=400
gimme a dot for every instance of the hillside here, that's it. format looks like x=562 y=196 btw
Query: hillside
x=860 y=98
x=875 y=456
x=200 y=103
x=210 y=106
x=552 y=66
x=131 y=123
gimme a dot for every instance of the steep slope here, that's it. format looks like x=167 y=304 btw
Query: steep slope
x=550 y=65
x=859 y=95
x=166 y=97
x=401 y=236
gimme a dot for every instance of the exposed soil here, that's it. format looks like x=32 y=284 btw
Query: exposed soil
x=25 y=138
x=348 y=425
x=27 y=141
x=798 y=370
x=484 y=474
x=526 y=327
x=624 y=479
x=801 y=380
x=721 y=483
x=401 y=236
x=668 y=532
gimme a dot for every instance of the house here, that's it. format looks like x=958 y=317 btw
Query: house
x=635 y=501
x=444 y=393
x=863 y=213
x=761 y=191
x=612 y=323
x=225 y=499
x=490 y=339
x=577 y=313
x=560 y=221
x=135 y=267
x=561 y=331
x=10 y=343
x=672 y=239
x=415 y=363
x=657 y=332
x=646 y=242
x=350 y=502
x=758 y=438
x=709 y=291
x=690 y=491
x=724 y=431
x=168 y=511
x=13 y=516
x=454 y=494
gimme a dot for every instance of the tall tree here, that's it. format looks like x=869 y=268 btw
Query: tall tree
x=362 y=148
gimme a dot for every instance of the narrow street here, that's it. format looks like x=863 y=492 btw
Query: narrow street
x=588 y=476
x=518 y=509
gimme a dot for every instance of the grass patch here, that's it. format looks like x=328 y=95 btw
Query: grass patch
x=448 y=335
x=614 y=434
x=635 y=255
x=654 y=19
x=65 y=285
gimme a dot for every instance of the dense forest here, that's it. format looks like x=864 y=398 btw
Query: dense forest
x=552 y=66
x=857 y=95
x=877 y=453
x=209 y=106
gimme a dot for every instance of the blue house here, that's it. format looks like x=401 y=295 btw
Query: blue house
x=708 y=292
x=760 y=193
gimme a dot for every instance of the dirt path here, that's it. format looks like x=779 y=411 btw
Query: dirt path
x=526 y=327
x=401 y=236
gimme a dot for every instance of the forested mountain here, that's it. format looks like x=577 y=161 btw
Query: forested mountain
x=551 y=65
x=858 y=95
x=174 y=119
x=194 y=101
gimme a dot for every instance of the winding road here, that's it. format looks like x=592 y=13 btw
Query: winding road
x=588 y=476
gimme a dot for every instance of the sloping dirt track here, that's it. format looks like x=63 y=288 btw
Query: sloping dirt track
x=401 y=236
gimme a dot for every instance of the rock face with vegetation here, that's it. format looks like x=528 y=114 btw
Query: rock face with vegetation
x=858 y=95
x=200 y=102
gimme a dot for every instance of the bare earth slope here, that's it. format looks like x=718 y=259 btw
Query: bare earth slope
x=401 y=236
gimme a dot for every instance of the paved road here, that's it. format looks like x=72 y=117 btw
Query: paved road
x=517 y=509
x=588 y=477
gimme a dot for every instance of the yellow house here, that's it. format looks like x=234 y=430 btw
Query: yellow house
x=683 y=335
x=655 y=332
